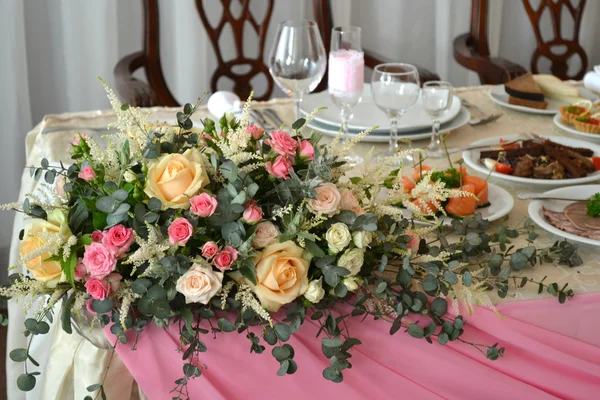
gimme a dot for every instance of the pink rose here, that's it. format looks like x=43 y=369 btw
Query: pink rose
x=266 y=233
x=80 y=271
x=282 y=143
x=114 y=280
x=279 y=168
x=203 y=205
x=180 y=231
x=97 y=236
x=225 y=258
x=87 y=173
x=209 y=250
x=413 y=243
x=349 y=202
x=328 y=200
x=97 y=288
x=306 y=149
x=118 y=239
x=255 y=131
x=78 y=137
x=88 y=306
x=252 y=213
x=99 y=260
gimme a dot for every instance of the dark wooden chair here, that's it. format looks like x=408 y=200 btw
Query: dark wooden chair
x=323 y=17
x=471 y=49
x=155 y=91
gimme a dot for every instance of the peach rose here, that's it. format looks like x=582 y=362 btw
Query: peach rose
x=328 y=200
x=281 y=275
x=175 y=178
x=199 y=284
x=48 y=272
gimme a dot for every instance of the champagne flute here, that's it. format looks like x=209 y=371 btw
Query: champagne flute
x=297 y=61
x=395 y=88
x=346 y=77
x=437 y=99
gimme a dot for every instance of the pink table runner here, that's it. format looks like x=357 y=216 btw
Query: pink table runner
x=552 y=352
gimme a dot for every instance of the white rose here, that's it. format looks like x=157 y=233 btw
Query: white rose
x=352 y=260
x=338 y=237
x=362 y=239
x=199 y=284
x=315 y=291
x=327 y=201
x=352 y=283
x=266 y=233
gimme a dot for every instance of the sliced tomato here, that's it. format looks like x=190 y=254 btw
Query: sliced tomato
x=596 y=161
x=504 y=169
x=509 y=146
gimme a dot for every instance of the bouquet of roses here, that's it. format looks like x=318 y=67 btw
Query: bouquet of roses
x=228 y=223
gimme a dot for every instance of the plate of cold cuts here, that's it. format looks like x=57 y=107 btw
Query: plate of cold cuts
x=569 y=219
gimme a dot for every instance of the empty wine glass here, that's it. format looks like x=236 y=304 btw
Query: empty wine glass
x=346 y=77
x=297 y=61
x=395 y=89
x=436 y=98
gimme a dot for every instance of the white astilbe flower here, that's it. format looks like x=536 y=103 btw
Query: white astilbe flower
x=225 y=290
x=71 y=241
x=127 y=298
x=25 y=291
x=235 y=143
x=312 y=115
x=470 y=296
x=280 y=212
x=252 y=167
x=337 y=149
x=151 y=250
x=78 y=306
x=16 y=206
x=248 y=300
x=108 y=158
x=131 y=124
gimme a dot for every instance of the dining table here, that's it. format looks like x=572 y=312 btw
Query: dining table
x=552 y=349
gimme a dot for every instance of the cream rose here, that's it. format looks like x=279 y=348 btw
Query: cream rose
x=362 y=239
x=175 y=178
x=327 y=201
x=352 y=283
x=338 y=237
x=48 y=272
x=266 y=233
x=199 y=284
x=315 y=292
x=281 y=275
x=352 y=260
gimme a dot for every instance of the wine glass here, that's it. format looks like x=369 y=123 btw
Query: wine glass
x=436 y=98
x=346 y=77
x=395 y=89
x=297 y=61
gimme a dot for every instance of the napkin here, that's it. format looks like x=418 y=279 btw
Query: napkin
x=591 y=80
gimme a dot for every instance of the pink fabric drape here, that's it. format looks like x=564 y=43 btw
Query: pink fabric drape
x=552 y=352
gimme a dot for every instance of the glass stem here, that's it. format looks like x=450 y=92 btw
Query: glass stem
x=435 y=144
x=346 y=114
x=393 y=148
x=297 y=101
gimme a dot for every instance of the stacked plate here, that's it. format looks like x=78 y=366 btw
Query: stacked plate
x=414 y=125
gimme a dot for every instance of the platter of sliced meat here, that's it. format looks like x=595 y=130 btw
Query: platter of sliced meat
x=568 y=219
x=551 y=161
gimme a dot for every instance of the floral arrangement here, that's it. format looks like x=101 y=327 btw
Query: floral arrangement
x=230 y=224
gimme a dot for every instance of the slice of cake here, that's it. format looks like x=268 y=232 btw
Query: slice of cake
x=524 y=91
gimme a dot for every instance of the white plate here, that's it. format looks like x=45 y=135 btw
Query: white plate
x=367 y=114
x=499 y=96
x=471 y=158
x=558 y=121
x=501 y=203
x=461 y=119
x=536 y=211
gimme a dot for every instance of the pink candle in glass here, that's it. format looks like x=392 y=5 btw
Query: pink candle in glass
x=346 y=72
